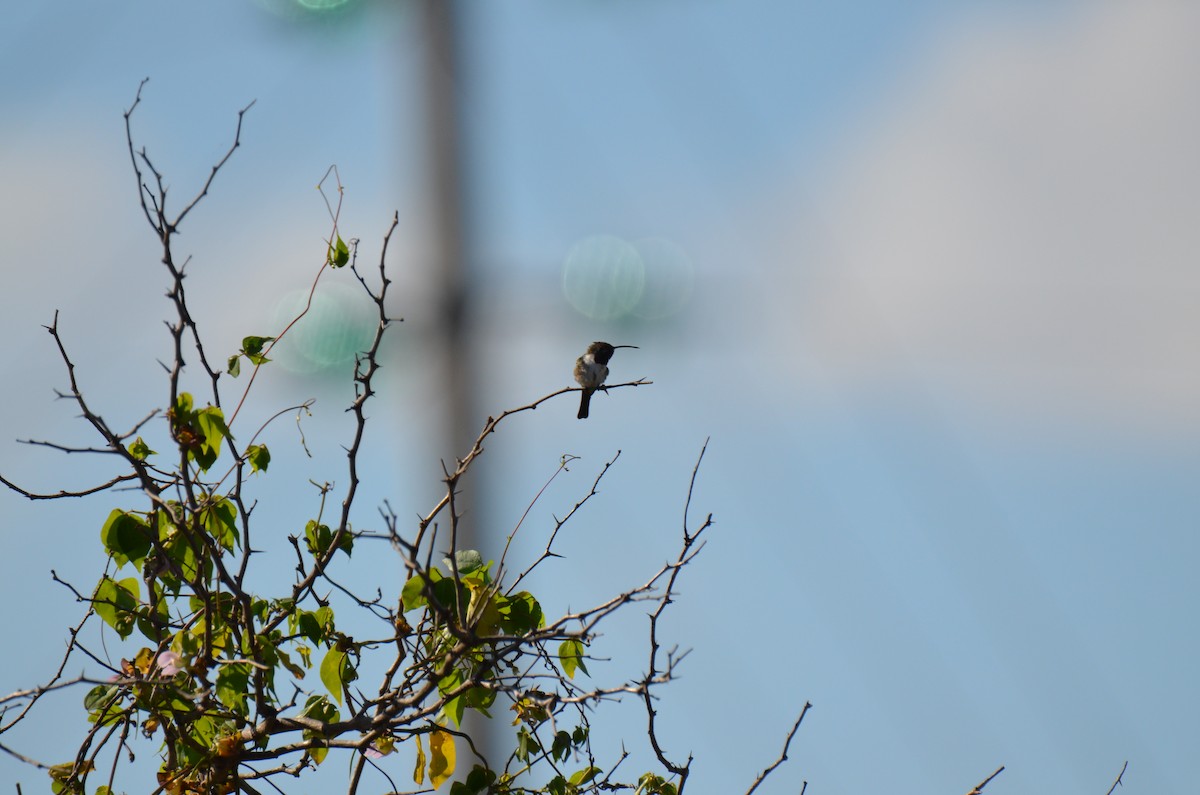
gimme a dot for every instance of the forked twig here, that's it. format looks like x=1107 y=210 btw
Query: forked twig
x=1120 y=776
x=685 y=554
x=783 y=754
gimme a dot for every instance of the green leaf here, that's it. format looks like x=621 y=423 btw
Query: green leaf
x=411 y=595
x=444 y=592
x=183 y=425
x=318 y=708
x=334 y=669
x=339 y=253
x=259 y=457
x=653 y=784
x=441 y=586
x=325 y=617
x=479 y=779
x=152 y=619
x=308 y=626
x=570 y=652
x=318 y=537
x=126 y=537
x=526 y=745
x=139 y=449
x=286 y=661
x=233 y=684
x=220 y=522
x=261 y=608
x=315 y=625
x=65 y=777
x=487 y=609
x=253 y=348
x=522 y=613
x=560 y=748
x=450 y=681
x=103 y=703
x=115 y=602
x=203 y=733
x=468 y=560
x=101 y=697
x=183 y=404
x=176 y=544
x=480 y=698
x=235 y=366
x=584 y=776
x=454 y=707
x=211 y=424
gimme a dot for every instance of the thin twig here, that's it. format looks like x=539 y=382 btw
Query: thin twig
x=685 y=554
x=489 y=428
x=1119 y=777
x=58 y=495
x=979 y=787
x=784 y=754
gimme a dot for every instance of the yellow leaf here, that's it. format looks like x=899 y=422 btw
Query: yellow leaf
x=441 y=761
x=228 y=745
x=419 y=773
x=484 y=613
x=143 y=660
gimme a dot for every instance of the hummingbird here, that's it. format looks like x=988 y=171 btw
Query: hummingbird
x=591 y=369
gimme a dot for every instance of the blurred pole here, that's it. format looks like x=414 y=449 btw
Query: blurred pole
x=444 y=95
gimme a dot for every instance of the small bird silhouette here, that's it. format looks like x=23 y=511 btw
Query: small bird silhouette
x=591 y=369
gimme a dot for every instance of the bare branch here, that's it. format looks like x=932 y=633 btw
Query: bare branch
x=62 y=448
x=685 y=554
x=26 y=759
x=58 y=495
x=489 y=428
x=979 y=787
x=237 y=141
x=783 y=754
x=55 y=681
x=1120 y=776
x=558 y=523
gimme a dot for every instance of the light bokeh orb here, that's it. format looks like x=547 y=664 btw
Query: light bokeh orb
x=603 y=277
x=338 y=326
x=299 y=9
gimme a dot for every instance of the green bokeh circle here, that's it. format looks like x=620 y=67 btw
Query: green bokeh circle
x=603 y=277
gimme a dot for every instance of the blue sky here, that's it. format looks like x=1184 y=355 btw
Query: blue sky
x=940 y=327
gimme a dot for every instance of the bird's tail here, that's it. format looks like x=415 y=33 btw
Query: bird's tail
x=585 y=400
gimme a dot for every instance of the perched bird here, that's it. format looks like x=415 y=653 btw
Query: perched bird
x=591 y=369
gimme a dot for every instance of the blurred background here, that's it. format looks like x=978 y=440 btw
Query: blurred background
x=924 y=273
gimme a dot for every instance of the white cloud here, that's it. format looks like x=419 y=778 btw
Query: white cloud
x=1021 y=225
